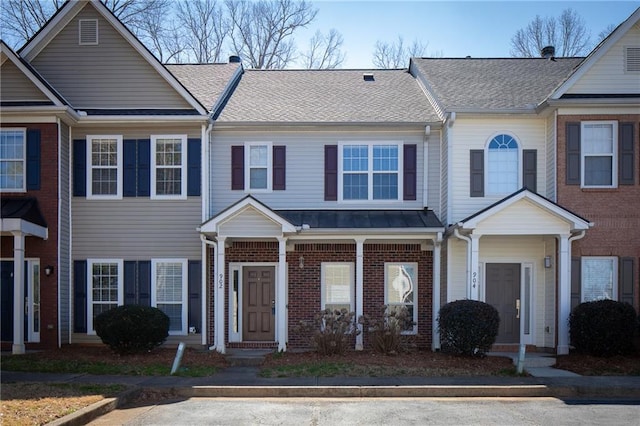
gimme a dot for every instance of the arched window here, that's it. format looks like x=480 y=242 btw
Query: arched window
x=502 y=165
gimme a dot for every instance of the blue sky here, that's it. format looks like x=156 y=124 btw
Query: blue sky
x=454 y=28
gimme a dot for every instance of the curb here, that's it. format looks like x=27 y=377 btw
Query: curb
x=95 y=410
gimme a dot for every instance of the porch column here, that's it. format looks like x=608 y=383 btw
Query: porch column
x=359 y=290
x=474 y=275
x=281 y=295
x=18 y=293
x=564 y=294
x=435 y=303
x=218 y=315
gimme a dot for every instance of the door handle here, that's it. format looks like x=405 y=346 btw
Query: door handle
x=518 y=308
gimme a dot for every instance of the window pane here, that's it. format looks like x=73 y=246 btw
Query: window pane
x=385 y=158
x=355 y=158
x=598 y=171
x=174 y=312
x=12 y=159
x=258 y=156
x=258 y=178
x=168 y=181
x=355 y=187
x=385 y=186
x=597 y=138
x=597 y=279
x=337 y=285
x=168 y=152
x=502 y=165
x=400 y=284
x=169 y=282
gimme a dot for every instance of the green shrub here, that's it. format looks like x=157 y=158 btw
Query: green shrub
x=385 y=331
x=132 y=328
x=331 y=331
x=468 y=327
x=603 y=328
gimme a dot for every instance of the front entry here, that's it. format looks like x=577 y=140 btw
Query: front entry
x=32 y=301
x=258 y=303
x=503 y=292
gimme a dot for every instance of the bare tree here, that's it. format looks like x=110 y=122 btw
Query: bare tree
x=396 y=54
x=205 y=29
x=605 y=33
x=568 y=34
x=161 y=36
x=324 y=51
x=21 y=19
x=261 y=30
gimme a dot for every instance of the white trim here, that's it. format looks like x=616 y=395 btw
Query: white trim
x=119 y=166
x=119 y=302
x=185 y=284
x=530 y=310
x=22 y=130
x=614 y=276
x=323 y=285
x=519 y=149
x=414 y=290
x=235 y=336
x=613 y=154
x=247 y=166
x=182 y=167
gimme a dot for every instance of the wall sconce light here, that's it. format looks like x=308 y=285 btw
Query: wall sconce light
x=301 y=262
x=547 y=261
x=48 y=270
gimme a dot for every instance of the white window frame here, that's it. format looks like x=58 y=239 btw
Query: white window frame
x=518 y=183
x=248 y=167
x=415 y=292
x=185 y=284
x=182 y=167
x=90 y=301
x=584 y=277
x=90 y=167
x=613 y=154
x=370 y=172
x=323 y=285
x=23 y=159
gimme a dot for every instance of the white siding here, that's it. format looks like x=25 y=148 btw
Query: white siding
x=15 y=86
x=523 y=218
x=475 y=134
x=608 y=75
x=304 y=169
x=456 y=269
x=551 y=170
x=109 y=75
x=433 y=173
x=250 y=223
x=64 y=230
x=444 y=176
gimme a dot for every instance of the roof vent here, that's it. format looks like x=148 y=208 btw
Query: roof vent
x=88 y=32
x=368 y=76
x=234 y=59
x=548 y=52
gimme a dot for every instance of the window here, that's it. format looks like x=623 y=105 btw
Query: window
x=259 y=166
x=104 y=157
x=169 y=291
x=599 y=275
x=105 y=287
x=370 y=172
x=400 y=289
x=169 y=163
x=13 y=152
x=337 y=286
x=599 y=151
x=502 y=165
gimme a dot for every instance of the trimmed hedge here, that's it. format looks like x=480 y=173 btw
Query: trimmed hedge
x=132 y=328
x=468 y=327
x=603 y=328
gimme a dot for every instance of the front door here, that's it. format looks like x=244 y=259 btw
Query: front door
x=503 y=292
x=258 y=303
x=32 y=304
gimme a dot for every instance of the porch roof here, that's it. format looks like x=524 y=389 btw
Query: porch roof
x=362 y=219
x=20 y=214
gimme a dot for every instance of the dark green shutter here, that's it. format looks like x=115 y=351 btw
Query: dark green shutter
x=410 y=172
x=144 y=168
x=33 y=159
x=80 y=296
x=237 y=167
x=626 y=163
x=476 y=173
x=80 y=168
x=627 y=272
x=129 y=148
x=576 y=282
x=195 y=295
x=279 y=168
x=530 y=169
x=331 y=172
x=573 y=154
x=193 y=167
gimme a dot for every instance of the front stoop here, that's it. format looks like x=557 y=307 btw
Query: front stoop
x=246 y=357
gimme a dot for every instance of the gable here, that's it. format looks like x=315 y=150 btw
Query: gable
x=17 y=87
x=523 y=217
x=109 y=74
x=608 y=75
x=250 y=223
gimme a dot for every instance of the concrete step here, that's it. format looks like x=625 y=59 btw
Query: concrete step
x=246 y=357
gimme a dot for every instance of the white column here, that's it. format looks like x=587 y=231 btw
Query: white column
x=219 y=317
x=281 y=295
x=359 y=290
x=474 y=274
x=564 y=294
x=18 y=293
x=435 y=303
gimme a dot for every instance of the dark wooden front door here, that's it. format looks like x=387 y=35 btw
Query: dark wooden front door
x=258 y=303
x=503 y=292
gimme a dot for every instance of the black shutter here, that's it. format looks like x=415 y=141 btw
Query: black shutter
x=279 y=168
x=195 y=291
x=626 y=169
x=627 y=269
x=144 y=282
x=476 y=173
x=144 y=168
x=80 y=168
x=331 y=172
x=576 y=282
x=80 y=296
x=129 y=148
x=130 y=275
x=410 y=174
x=530 y=169
x=193 y=167
x=33 y=159
x=237 y=167
x=573 y=154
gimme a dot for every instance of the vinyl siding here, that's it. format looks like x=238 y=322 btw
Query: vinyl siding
x=608 y=74
x=444 y=176
x=475 y=134
x=111 y=74
x=550 y=165
x=523 y=218
x=433 y=173
x=15 y=86
x=304 y=169
x=64 y=230
x=456 y=269
x=250 y=223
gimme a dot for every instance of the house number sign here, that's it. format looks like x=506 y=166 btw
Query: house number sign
x=474 y=279
x=220 y=281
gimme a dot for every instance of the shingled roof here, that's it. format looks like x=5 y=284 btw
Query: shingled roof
x=492 y=83
x=328 y=96
x=206 y=82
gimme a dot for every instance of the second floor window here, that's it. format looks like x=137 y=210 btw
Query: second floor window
x=258 y=167
x=502 y=165
x=370 y=172
x=104 y=158
x=598 y=148
x=168 y=172
x=12 y=160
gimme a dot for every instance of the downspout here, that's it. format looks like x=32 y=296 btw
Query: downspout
x=206 y=242
x=435 y=310
x=458 y=235
x=204 y=196
x=564 y=293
